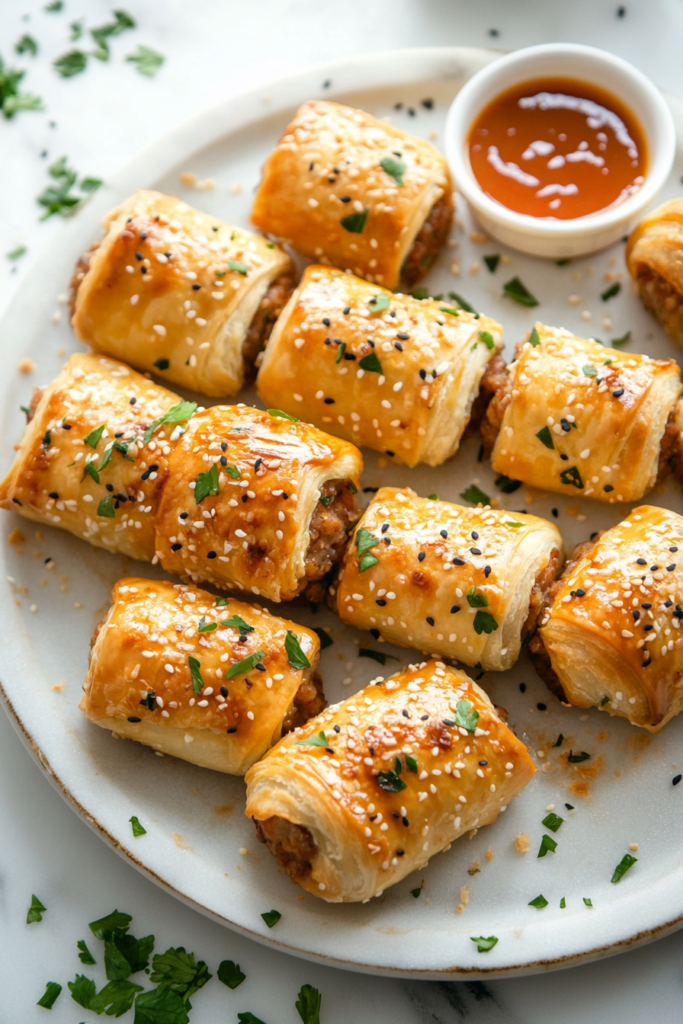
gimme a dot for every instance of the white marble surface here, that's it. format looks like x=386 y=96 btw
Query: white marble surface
x=101 y=119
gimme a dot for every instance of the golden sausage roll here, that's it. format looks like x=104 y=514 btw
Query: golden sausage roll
x=382 y=370
x=82 y=464
x=211 y=681
x=178 y=292
x=465 y=583
x=348 y=190
x=369 y=790
x=654 y=257
x=575 y=417
x=244 y=499
x=610 y=634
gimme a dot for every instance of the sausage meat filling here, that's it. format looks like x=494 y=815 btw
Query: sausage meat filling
x=292 y=845
x=331 y=522
x=661 y=299
x=429 y=240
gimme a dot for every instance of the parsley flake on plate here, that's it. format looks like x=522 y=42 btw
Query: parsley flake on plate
x=626 y=862
x=295 y=656
x=160 y=1006
x=539 y=902
x=179 y=971
x=138 y=829
x=84 y=955
x=610 y=292
x=146 y=60
x=515 y=290
x=587 y=901
x=308 y=1002
x=324 y=637
x=547 y=843
x=271 y=917
x=50 y=996
x=35 y=911
x=230 y=974
x=82 y=990
x=483 y=944
x=475 y=495
x=553 y=821
x=577 y=758
x=26 y=44
x=462 y=303
x=116 y=998
x=492 y=261
x=71 y=63
x=114 y=922
x=249 y=1018
x=506 y=484
x=379 y=656
x=17 y=253
x=11 y=98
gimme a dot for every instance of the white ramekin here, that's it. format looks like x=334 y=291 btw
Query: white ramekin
x=561 y=238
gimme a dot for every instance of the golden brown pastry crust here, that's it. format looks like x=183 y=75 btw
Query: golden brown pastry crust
x=327 y=167
x=654 y=257
x=613 y=629
x=140 y=683
x=269 y=473
x=367 y=837
x=447 y=575
x=605 y=410
x=428 y=361
x=173 y=290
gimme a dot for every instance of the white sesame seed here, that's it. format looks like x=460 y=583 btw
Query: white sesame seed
x=159 y=329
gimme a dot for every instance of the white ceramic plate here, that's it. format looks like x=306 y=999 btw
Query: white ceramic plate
x=194 y=818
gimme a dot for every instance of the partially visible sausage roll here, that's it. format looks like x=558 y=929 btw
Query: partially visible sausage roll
x=178 y=292
x=247 y=500
x=348 y=190
x=382 y=370
x=581 y=419
x=654 y=257
x=371 y=789
x=610 y=633
x=211 y=681
x=465 y=583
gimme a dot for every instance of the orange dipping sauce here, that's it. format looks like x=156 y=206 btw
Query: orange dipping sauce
x=557 y=148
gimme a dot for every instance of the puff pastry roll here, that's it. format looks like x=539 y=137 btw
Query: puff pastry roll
x=654 y=257
x=575 y=417
x=178 y=292
x=211 y=681
x=82 y=464
x=382 y=370
x=465 y=583
x=610 y=634
x=372 y=788
x=348 y=190
x=244 y=499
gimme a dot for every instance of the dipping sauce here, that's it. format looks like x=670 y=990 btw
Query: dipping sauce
x=557 y=148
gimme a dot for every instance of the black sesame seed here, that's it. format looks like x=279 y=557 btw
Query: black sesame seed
x=423 y=374
x=423 y=718
x=444 y=534
x=395 y=814
x=390 y=454
x=245 y=498
x=139 y=256
x=654 y=568
x=580 y=592
x=119 y=433
x=566 y=425
x=405 y=822
x=257 y=464
x=541 y=706
x=223 y=460
x=329 y=401
x=143 y=270
x=668 y=603
x=565 y=458
x=430 y=620
x=402 y=337
x=184 y=515
x=336 y=728
x=647 y=661
x=132 y=401
x=326 y=321
x=260 y=666
x=224 y=691
x=641 y=561
x=673 y=549
x=385 y=526
x=647 y=627
x=110 y=487
x=134 y=718
x=387 y=540
x=176 y=547
x=482 y=763
x=455 y=608
x=285 y=496
x=676 y=779
x=349 y=355
x=522 y=687
x=487 y=571
x=375 y=633
x=345 y=199
x=406 y=714
x=210 y=554
x=398 y=345
x=399 y=853
x=232 y=729
x=196 y=287
x=53 y=494
x=421 y=557
x=474 y=535
x=670 y=568
x=458 y=561
x=646 y=604
x=475 y=551
x=373 y=817
x=554 y=512
x=347 y=310
x=381 y=602
x=224 y=446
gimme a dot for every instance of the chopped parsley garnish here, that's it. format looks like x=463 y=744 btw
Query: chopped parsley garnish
x=35 y=911
x=124 y=954
x=17 y=253
x=295 y=656
x=324 y=637
x=515 y=290
x=534 y=339
x=47 y=439
x=626 y=862
x=207 y=483
x=565 y=261
x=119 y=446
x=160 y=1005
x=271 y=917
x=515 y=525
x=176 y=414
x=355 y=222
x=447 y=309
x=116 y=998
x=89 y=470
x=416 y=892
x=230 y=974
x=547 y=843
x=563 y=903
x=420 y=293
x=308 y=1003
x=76 y=30
x=610 y=292
x=106 y=507
x=587 y=901
x=236 y=621
x=371 y=362
x=138 y=829
x=462 y=303
x=545 y=437
x=115 y=28
x=484 y=945
x=84 y=954
x=540 y=902
x=245 y=665
x=506 y=485
x=484 y=622
x=477 y=600
x=54 y=6
x=26 y=44
x=432 y=497
x=379 y=302
x=391 y=780
x=71 y=63
x=161 y=364
x=94 y=436
x=341 y=349
x=58 y=198
x=492 y=261
x=552 y=821
x=147 y=61
x=558 y=743
x=114 y=922
x=572 y=476
x=313 y=741
x=475 y=495
x=616 y=342
x=487 y=338
x=379 y=656
x=195 y=672
x=577 y=758
x=465 y=716
x=206 y=627
x=364 y=541
x=283 y=415
x=411 y=763
x=605 y=700
x=241 y=268
x=82 y=990
x=396 y=168
x=589 y=370
x=179 y=972
x=50 y=996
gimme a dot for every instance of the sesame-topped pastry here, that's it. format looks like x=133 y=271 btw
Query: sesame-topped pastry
x=610 y=632
x=654 y=257
x=247 y=500
x=382 y=370
x=578 y=418
x=373 y=787
x=465 y=583
x=348 y=190
x=211 y=681
x=178 y=292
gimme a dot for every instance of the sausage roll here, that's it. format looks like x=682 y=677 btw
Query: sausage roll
x=610 y=633
x=654 y=257
x=348 y=190
x=575 y=417
x=83 y=464
x=382 y=370
x=368 y=791
x=244 y=499
x=211 y=681
x=180 y=293
x=465 y=583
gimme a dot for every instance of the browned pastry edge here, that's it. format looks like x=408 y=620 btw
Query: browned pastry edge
x=430 y=239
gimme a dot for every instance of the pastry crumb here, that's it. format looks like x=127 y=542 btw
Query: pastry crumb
x=474 y=869
x=633 y=846
x=59 y=686
x=188 y=178
x=522 y=842
x=476 y=236
x=16 y=537
x=236 y=187
x=26 y=366
x=244 y=851
x=489 y=853
x=455 y=268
